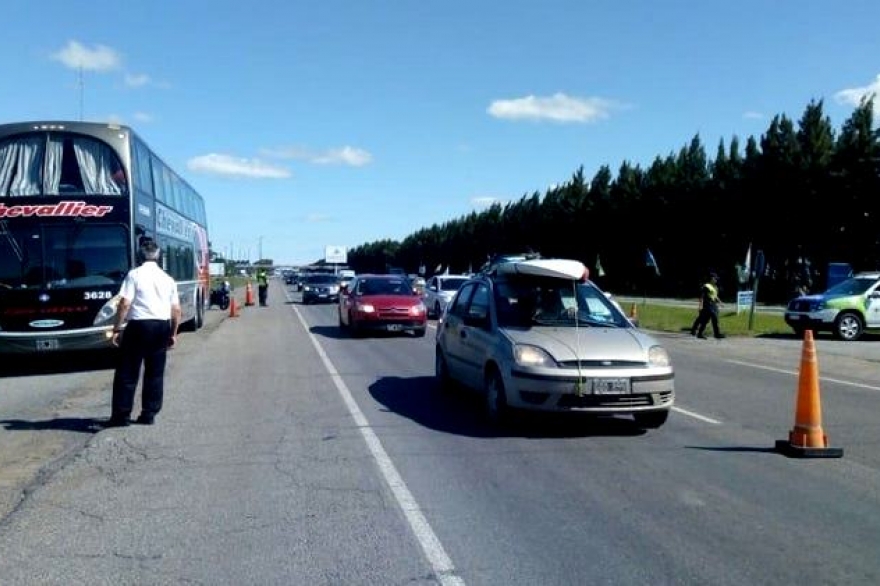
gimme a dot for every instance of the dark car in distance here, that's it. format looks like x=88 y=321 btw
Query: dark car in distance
x=320 y=288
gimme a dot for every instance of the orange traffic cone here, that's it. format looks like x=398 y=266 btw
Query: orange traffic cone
x=249 y=294
x=634 y=314
x=233 y=308
x=807 y=439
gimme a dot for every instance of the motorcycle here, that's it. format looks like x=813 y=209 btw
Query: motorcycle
x=220 y=296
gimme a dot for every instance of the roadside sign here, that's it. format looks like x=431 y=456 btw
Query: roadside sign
x=744 y=300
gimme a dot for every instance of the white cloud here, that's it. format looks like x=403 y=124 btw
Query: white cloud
x=484 y=201
x=558 y=108
x=139 y=80
x=346 y=155
x=227 y=165
x=750 y=115
x=143 y=117
x=853 y=96
x=75 y=55
x=317 y=218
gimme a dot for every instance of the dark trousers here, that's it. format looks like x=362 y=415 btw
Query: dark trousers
x=144 y=343
x=706 y=315
x=263 y=291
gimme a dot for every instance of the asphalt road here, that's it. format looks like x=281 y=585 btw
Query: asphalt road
x=289 y=453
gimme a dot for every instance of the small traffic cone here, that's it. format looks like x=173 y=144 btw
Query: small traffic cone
x=807 y=439
x=634 y=314
x=233 y=308
x=249 y=294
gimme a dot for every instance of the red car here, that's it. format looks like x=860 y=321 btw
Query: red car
x=384 y=303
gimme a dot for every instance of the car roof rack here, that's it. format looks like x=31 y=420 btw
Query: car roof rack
x=498 y=259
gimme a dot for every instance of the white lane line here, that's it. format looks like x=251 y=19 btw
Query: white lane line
x=696 y=415
x=796 y=373
x=440 y=562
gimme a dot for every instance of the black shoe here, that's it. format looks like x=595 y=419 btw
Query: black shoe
x=117 y=421
x=146 y=419
x=719 y=336
x=702 y=336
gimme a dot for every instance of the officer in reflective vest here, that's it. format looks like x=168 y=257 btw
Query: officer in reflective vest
x=709 y=302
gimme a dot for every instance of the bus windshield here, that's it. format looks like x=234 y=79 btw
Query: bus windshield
x=35 y=255
x=59 y=164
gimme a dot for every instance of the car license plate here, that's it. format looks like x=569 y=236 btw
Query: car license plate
x=610 y=386
x=394 y=327
x=794 y=317
x=47 y=344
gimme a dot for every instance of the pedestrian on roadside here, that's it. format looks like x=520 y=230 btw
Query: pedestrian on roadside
x=263 y=287
x=709 y=303
x=149 y=308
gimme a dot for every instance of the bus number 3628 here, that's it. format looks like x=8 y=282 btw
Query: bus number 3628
x=90 y=295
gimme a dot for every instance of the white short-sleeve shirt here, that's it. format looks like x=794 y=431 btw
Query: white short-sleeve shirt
x=151 y=292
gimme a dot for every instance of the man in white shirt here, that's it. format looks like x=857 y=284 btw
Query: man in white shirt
x=149 y=307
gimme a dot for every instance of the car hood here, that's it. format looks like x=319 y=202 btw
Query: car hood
x=390 y=300
x=586 y=343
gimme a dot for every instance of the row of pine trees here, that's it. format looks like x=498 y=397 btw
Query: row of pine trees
x=803 y=194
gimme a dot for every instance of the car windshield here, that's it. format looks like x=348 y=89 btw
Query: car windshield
x=385 y=287
x=853 y=286
x=525 y=301
x=322 y=280
x=452 y=284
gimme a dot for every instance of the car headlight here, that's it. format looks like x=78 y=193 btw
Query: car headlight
x=658 y=356
x=306 y=288
x=526 y=355
x=107 y=312
x=417 y=309
x=366 y=308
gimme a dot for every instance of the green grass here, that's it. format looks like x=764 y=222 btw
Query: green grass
x=667 y=318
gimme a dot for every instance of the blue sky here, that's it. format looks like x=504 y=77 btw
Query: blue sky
x=336 y=123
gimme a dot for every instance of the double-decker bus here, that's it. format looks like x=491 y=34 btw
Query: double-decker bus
x=76 y=199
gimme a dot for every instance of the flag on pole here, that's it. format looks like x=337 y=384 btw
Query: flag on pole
x=600 y=272
x=650 y=261
x=747 y=265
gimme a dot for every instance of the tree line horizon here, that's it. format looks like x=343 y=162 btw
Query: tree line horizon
x=803 y=192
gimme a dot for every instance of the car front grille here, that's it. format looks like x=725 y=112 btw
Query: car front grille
x=615 y=401
x=601 y=364
x=392 y=312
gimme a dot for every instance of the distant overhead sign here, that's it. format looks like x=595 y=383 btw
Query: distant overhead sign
x=335 y=255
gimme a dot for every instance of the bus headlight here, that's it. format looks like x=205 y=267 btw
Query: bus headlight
x=107 y=312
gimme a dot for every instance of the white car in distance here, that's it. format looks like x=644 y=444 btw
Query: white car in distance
x=440 y=290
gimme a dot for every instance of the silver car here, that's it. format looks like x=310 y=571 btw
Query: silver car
x=539 y=335
x=439 y=292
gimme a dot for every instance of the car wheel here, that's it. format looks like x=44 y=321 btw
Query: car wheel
x=798 y=332
x=848 y=326
x=496 y=399
x=437 y=310
x=341 y=323
x=353 y=327
x=420 y=332
x=651 y=419
x=442 y=378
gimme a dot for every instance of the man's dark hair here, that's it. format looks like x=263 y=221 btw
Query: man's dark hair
x=149 y=249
